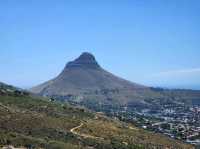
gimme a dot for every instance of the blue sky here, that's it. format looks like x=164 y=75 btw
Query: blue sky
x=152 y=42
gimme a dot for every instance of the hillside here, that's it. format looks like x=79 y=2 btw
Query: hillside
x=5 y=87
x=37 y=122
x=82 y=75
x=85 y=82
x=85 y=78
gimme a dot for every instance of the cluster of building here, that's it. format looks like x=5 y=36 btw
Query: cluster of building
x=178 y=122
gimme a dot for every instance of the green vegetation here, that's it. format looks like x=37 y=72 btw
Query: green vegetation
x=36 y=122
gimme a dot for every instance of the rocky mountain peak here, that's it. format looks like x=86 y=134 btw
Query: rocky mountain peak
x=86 y=60
x=86 y=56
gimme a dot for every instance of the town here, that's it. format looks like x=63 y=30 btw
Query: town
x=176 y=121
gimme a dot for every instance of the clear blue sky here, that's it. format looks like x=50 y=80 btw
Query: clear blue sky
x=153 y=42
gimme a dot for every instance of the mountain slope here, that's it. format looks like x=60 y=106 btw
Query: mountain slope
x=84 y=73
x=4 y=86
x=31 y=121
x=85 y=82
x=85 y=78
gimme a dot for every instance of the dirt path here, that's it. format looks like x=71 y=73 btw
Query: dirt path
x=74 y=131
x=132 y=128
x=12 y=147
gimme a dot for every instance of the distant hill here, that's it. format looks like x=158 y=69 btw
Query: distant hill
x=37 y=122
x=5 y=86
x=6 y=89
x=85 y=81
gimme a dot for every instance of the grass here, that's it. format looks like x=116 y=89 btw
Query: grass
x=27 y=120
x=113 y=130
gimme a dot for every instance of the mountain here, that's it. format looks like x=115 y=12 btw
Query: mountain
x=85 y=82
x=33 y=122
x=86 y=79
x=86 y=74
x=9 y=89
